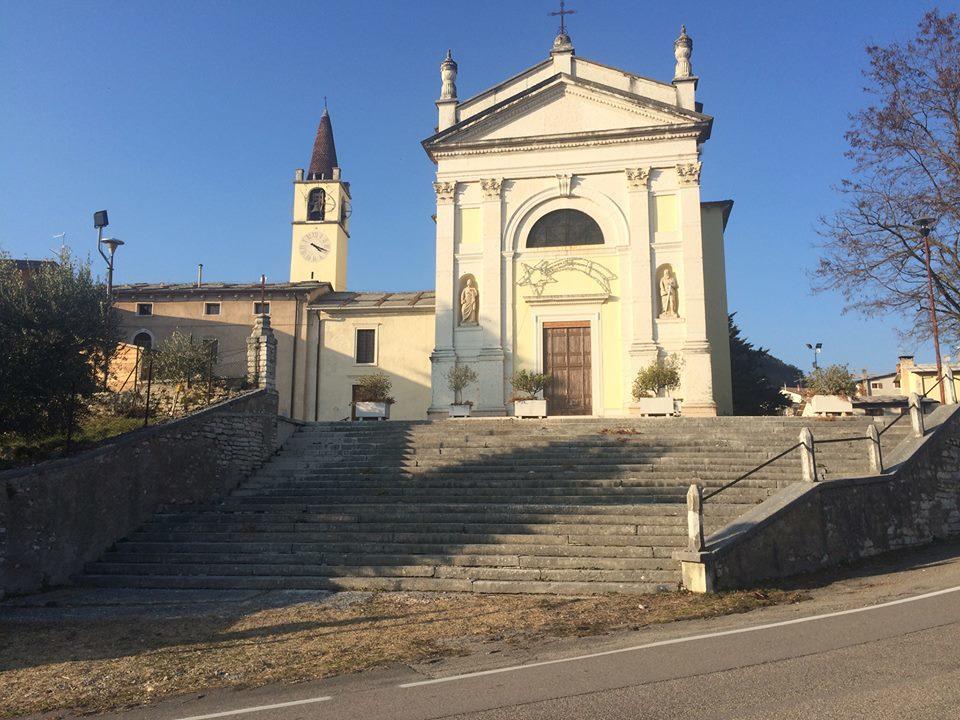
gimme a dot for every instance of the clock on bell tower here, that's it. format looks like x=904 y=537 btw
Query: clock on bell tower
x=321 y=215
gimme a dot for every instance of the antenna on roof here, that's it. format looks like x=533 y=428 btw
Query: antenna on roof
x=63 y=243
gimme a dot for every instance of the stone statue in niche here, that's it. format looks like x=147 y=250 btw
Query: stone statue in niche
x=669 y=293
x=315 y=204
x=469 y=303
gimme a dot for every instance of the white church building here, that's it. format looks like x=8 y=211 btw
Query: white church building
x=571 y=239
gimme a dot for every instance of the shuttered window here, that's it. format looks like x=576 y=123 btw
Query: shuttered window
x=366 y=347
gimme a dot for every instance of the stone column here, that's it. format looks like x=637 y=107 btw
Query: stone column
x=697 y=361
x=642 y=303
x=808 y=456
x=491 y=400
x=916 y=414
x=949 y=388
x=443 y=356
x=873 y=449
x=695 y=539
x=262 y=355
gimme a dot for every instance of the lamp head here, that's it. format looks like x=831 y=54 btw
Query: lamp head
x=924 y=224
x=112 y=244
x=100 y=220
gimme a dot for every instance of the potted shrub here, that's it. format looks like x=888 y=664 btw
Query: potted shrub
x=458 y=377
x=374 y=399
x=829 y=391
x=652 y=384
x=527 y=385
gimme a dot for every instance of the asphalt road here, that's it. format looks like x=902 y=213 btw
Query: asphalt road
x=839 y=659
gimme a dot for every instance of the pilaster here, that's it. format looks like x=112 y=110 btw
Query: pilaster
x=443 y=356
x=491 y=308
x=642 y=347
x=697 y=369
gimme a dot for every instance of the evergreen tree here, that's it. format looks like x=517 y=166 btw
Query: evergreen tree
x=757 y=377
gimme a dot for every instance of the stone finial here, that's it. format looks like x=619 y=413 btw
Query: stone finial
x=695 y=539
x=562 y=44
x=682 y=50
x=808 y=456
x=448 y=78
x=916 y=414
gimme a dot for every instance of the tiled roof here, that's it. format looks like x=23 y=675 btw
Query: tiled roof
x=141 y=289
x=324 y=158
x=375 y=300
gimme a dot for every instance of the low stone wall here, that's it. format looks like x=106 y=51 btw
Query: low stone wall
x=812 y=526
x=58 y=515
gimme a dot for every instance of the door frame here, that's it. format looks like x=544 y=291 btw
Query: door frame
x=548 y=314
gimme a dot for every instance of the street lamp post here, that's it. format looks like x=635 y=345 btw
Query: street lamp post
x=923 y=225
x=100 y=221
x=816 y=351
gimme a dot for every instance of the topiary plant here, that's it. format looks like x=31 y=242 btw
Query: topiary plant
x=529 y=384
x=659 y=376
x=458 y=377
x=375 y=388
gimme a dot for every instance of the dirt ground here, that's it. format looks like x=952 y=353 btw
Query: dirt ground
x=109 y=657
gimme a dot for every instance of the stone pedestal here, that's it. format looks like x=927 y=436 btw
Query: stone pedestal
x=262 y=355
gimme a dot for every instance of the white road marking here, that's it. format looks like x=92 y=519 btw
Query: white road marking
x=677 y=641
x=258 y=708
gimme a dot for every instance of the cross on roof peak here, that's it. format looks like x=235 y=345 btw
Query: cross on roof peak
x=563 y=12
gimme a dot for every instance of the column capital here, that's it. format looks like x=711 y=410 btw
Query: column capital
x=689 y=173
x=491 y=188
x=638 y=178
x=445 y=191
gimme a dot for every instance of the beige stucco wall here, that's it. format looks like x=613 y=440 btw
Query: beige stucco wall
x=403 y=344
x=231 y=328
x=715 y=285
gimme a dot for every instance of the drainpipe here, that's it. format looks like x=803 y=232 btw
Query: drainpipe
x=316 y=399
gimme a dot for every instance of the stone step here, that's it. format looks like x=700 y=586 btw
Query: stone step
x=418 y=584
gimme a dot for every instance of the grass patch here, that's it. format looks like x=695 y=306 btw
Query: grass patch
x=103 y=664
x=16 y=450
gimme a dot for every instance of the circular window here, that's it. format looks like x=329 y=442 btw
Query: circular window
x=565 y=227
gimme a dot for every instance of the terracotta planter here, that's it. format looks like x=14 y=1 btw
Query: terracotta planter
x=371 y=410
x=530 y=408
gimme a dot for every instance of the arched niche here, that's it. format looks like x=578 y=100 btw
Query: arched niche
x=668 y=292
x=468 y=301
x=316 y=204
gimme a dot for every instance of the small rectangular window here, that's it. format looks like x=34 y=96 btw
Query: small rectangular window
x=366 y=342
x=144 y=309
x=211 y=308
x=261 y=308
x=876 y=385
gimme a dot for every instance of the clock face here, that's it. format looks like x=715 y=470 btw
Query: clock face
x=314 y=246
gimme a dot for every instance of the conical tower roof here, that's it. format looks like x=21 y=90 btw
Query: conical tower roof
x=324 y=158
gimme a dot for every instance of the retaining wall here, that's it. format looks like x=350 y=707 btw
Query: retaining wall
x=58 y=515
x=812 y=526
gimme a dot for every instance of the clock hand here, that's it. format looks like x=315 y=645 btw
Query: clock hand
x=317 y=247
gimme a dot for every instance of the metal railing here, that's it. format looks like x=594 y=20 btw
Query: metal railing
x=807 y=446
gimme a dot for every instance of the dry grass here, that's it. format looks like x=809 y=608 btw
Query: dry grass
x=97 y=665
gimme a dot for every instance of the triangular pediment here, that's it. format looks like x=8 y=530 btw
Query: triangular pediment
x=563 y=107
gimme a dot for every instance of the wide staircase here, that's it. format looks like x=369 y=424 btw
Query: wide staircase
x=567 y=506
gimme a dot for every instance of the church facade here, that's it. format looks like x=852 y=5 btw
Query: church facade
x=571 y=239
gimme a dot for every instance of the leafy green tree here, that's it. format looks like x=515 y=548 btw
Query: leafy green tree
x=57 y=334
x=375 y=388
x=458 y=378
x=182 y=358
x=529 y=384
x=831 y=380
x=757 y=377
x=661 y=375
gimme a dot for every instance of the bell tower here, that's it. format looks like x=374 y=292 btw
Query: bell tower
x=321 y=215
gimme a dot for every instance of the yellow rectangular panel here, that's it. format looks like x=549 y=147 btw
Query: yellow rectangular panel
x=665 y=214
x=469 y=226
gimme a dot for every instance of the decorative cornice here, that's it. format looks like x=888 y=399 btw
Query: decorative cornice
x=491 y=188
x=638 y=178
x=545 y=142
x=689 y=174
x=572 y=299
x=445 y=191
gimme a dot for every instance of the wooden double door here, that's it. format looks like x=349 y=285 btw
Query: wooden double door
x=566 y=358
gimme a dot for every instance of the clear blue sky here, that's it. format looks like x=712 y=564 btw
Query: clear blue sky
x=186 y=121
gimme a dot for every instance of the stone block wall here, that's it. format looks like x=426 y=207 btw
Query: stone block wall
x=58 y=515
x=812 y=526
